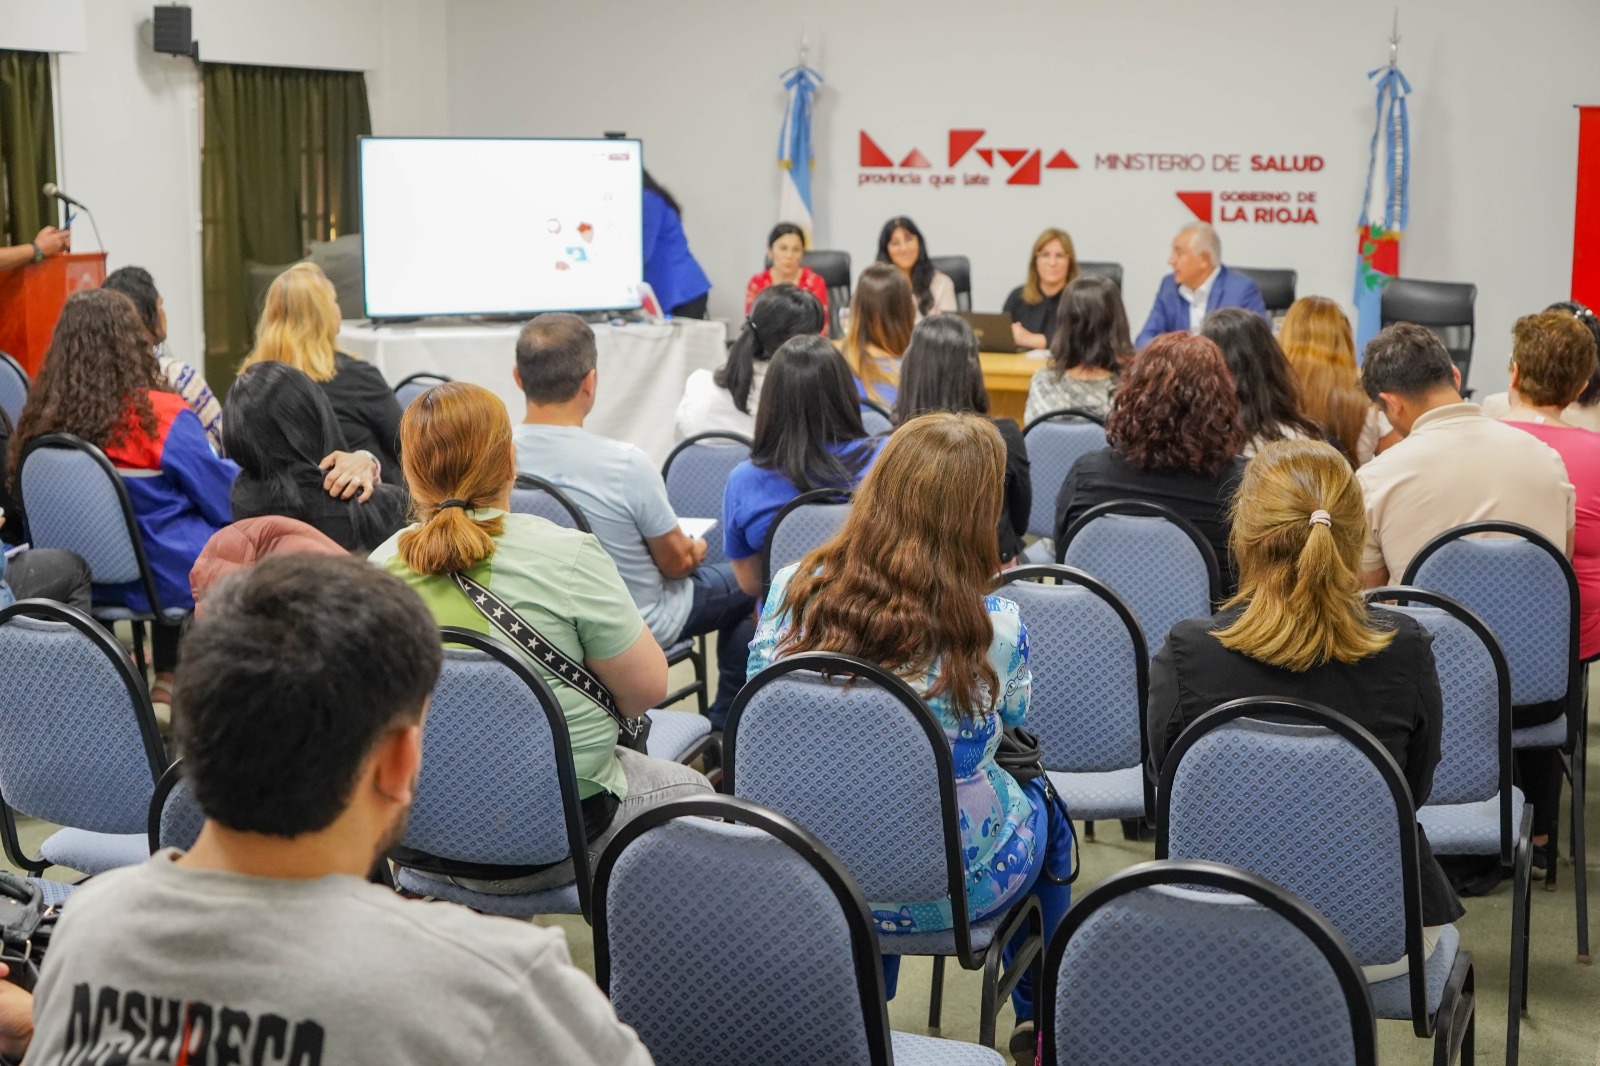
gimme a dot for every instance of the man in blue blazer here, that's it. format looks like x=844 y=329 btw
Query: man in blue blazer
x=1198 y=285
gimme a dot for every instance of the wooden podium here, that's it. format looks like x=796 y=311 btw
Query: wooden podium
x=31 y=297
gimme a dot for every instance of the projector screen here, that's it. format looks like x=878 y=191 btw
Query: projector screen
x=462 y=226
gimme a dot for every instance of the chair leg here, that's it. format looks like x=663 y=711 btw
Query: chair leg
x=936 y=996
x=1580 y=873
x=138 y=649
x=1517 y=990
x=700 y=654
x=1456 y=1024
x=1088 y=830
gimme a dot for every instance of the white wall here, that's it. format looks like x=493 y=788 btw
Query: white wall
x=1494 y=142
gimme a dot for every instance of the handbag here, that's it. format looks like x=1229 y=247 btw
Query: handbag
x=632 y=733
x=1019 y=755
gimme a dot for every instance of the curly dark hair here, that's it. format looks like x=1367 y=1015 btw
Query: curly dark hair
x=1176 y=410
x=100 y=367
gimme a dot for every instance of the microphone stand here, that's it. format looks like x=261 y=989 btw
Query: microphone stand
x=93 y=225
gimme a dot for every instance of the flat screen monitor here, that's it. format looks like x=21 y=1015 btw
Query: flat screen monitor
x=491 y=226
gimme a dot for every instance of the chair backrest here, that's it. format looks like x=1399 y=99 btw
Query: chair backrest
x=75 y=500
x=959 y=269
x=1090 y=670
x=1277 y=286
x=415 y=385
x=1246 y=974
x=1311 y=802
x=1156 y=561
x=1090 y=269
x=79 y=746
x=1055 y=441
x=497 y=785
x=696 y=472
x=876 y=418
x=532 y=494
x=849 y=751
x=14 y=386
x=834 y=268
x=1446 y=307
x=1524 y=588
x=789 y=931
x=175 y=817
x=808 y=521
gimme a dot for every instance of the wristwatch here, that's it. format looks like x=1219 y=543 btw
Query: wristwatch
x=38 y=253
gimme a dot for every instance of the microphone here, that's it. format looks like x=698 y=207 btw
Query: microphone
x=51 y=189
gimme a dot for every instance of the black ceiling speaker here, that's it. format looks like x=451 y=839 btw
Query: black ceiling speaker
x=174 y=31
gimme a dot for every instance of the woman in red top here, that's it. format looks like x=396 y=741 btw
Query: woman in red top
x=785 y=246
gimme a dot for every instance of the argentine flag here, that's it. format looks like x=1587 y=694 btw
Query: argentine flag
x=794 y=148
x=1386 y=204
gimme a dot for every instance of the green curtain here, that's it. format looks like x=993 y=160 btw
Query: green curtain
x=278 y=171
x=27 y=142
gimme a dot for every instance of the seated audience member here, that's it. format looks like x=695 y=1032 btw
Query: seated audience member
x=1088 y=351
x=137 y=285
x=1198 y=285
x=786 y=246
x=300 y=326
x=1174 y=440
x=100 y=383
x=670 y=268
x=726 y=399
x=882 y=314
x=941 y=372
x=1032 y=305
x=248 y=541
x=305 y=769
x=808 y=436
x=44 y=574
x=621 y=492
x=1584 y=412
x=1297 y=628
x=282 y=432
x=1268 y=409
x=934 y=494
x=1553 y=359
x=900 y=244
x=1321 y=350
x=460 y=463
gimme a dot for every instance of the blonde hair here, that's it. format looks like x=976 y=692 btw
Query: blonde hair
x=455 y=445
x=1314 y=327
x=299 y=323
x=1031 y=293
x=881 y=314
x=1299 y=580
x=1316 y=340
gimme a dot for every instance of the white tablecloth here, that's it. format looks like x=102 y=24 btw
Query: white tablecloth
x=642 y=367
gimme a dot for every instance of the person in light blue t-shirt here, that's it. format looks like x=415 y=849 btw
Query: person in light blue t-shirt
x=623 y=497
x=808 y=436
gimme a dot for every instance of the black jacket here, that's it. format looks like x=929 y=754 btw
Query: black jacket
x=368 y=413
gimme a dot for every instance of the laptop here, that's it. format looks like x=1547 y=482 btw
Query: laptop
x=993 y=331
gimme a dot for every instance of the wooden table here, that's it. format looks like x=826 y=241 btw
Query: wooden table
x=1006 y=376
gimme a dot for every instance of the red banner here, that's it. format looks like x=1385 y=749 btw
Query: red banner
x=1586 y=225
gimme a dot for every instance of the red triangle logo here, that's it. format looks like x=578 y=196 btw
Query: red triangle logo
x=987 y=155
x=1013 y=156
x=1199 y=203
x=872 y=155
x=961 y=142
x=915 y=159
x=1061 y=161
x=1028 y=172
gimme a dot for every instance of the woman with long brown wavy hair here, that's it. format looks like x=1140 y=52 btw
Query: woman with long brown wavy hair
x=881 y=317
x=906 y=584
x=1317 y=341
x=456 y=440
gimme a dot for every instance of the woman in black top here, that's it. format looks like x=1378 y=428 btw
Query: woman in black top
x=278 y=426
x=941 y=372
x=1298 y=628
x=1269 y=400
x=1174 y=435
x=1052 y=266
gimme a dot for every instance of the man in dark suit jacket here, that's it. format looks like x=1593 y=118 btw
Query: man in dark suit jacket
x=1198 y=277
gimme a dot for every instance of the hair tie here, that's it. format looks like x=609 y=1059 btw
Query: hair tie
x=446 y=504
x=1321 y=518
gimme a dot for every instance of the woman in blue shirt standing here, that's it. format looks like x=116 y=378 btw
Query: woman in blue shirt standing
x=670 y=269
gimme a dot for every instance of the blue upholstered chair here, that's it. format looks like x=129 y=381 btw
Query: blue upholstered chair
x=1234 y=971
x=1159 y=563
x=1523 y=587
x=696 y=473
x=808 y=521
x=793 y=976
x=876 y=418
x=75 y=500
x=498 y=795
x=175 y=818
x=1311 y=802
x=1055 y=441
x=79 y=746
x=531 y=494
x=852 y=753
x=14 y=386
x=1090 y=681
x=415 y=385
x=1474 y=809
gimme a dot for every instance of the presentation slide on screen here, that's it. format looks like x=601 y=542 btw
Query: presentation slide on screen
x=455 y=226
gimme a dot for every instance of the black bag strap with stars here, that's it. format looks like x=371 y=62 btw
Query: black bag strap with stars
x=518 y=631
